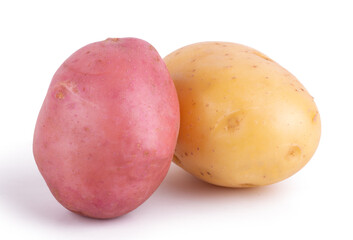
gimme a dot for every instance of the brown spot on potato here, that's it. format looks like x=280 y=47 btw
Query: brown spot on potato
x=294 y=152
x=112 y=39
x=254 y=66
x=66 y=86
x=234 y=77
x=233 y=124
x=186 y=154
x=198 y=149
x=233 y=121
x=201 y=173
x=208 y=173
x=60 y=95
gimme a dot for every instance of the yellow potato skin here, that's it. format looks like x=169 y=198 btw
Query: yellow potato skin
x=245 y=120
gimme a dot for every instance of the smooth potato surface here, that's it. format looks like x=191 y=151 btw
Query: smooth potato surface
x=245 y=120
x=106 y=133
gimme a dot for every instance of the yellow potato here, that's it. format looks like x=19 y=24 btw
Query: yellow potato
x=245 y=120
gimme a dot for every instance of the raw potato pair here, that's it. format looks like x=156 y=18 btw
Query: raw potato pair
x=108 y=127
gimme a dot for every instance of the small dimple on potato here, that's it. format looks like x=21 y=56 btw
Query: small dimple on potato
x=294 y=152
x=233 y=124
x=60 y=94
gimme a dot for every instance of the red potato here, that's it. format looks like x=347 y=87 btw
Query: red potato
x=107 y=130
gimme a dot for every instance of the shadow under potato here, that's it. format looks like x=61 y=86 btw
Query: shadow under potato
x=179 y=183
x=25 y=193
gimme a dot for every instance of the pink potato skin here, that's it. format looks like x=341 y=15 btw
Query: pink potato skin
x=107 y=130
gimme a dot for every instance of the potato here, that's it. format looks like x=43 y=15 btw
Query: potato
x=106 y=133
x=245 y=120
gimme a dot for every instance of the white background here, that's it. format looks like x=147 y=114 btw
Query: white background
x=312 y=39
